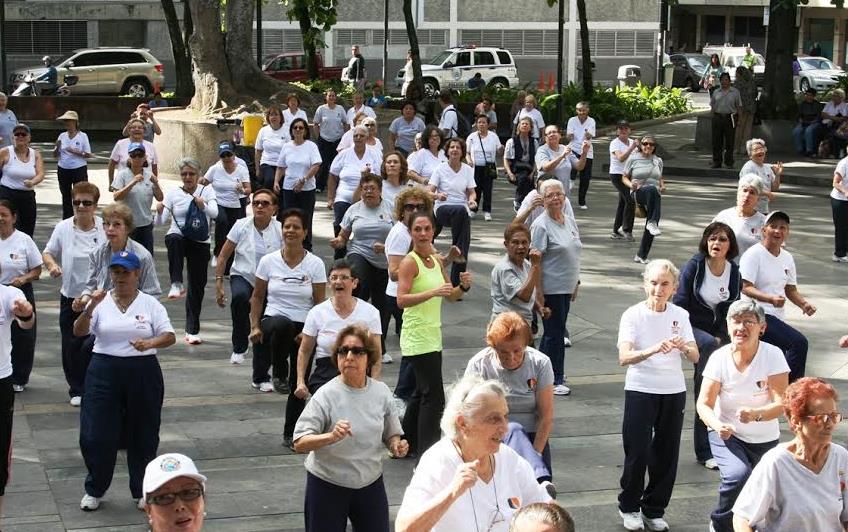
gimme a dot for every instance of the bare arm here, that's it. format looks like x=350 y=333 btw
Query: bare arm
x=753 y=292
x=837 y=184
x=257 y=156
x=392 y=141
x=793 y=295
x=394 y=266
x=111 y=171
x=740 y=524
x=307 y=345
x=544 y=417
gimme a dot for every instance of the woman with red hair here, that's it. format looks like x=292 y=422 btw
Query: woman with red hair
x=800 y=485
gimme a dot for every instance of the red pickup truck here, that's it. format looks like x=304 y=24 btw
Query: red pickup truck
x=291 y=66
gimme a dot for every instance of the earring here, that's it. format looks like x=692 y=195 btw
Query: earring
x=204 y=514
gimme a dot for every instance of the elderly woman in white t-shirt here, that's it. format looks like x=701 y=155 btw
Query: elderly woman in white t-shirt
x=769 y=173
x=747 y=223
x=424 y=160
x=800 y=485
x=461 y=482
x=483 y=148
x=654 y=336
x=740 y=402
x=269 y=142
x=249 y=240
x=231 y=183
x=839 y=210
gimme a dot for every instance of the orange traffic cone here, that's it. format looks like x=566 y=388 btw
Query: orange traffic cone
x=541 y=82
x=551 y=81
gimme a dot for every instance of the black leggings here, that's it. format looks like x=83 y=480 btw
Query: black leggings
x=484 y=188
x=625 y=211
x=24 y=200
x=68 y=177
x=196 y=256
x=424 y=412
x=372 y=287
x=7 y=407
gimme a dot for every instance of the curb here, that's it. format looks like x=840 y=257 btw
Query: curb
x=610 y=130
x=724 y=173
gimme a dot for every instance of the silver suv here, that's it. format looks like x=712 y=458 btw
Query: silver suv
x=114 y=70
x=452 y=68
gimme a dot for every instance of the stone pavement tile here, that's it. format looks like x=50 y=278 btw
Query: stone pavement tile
x=50 y=523
x=29 y=503
x=27 y=477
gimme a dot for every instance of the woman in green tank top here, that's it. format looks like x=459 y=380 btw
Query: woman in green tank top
x=422 y=284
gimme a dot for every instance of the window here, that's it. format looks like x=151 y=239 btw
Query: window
x=88 y=59
x=504 y=58
x=463 y=59
x=45 y=36
x=484 y=58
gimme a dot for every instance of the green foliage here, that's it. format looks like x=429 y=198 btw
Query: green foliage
x=320 y=86
x=609 y=105
x=322 y=13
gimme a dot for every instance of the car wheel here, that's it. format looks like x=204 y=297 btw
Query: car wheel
x=137 y=88
x=805 y=84
x=431 y=87
x=498 y=84
x=694 y=86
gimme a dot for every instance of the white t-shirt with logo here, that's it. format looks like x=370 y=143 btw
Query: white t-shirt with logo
x=18 y=255
x=716 y=288
x=71 y=247
x=579 y=129
x=290 y=289
x=68 y=160
x=748 y=231
x=842 y=170
x=323 y=323
x=398 y=243
x=226 y=185
x=297 y=159
x=8 y=295
x=113 y=330
x=348 y=167
x=660 y=373
x=271 y=141
x=483 y=150
x=746 y=390
x=424 y=163
x=768 y=274
x=454 y=184
x=616 y=166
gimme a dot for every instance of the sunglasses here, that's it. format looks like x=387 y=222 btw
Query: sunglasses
x=137 y=155
x=648 y=144
x=413 y=206
x=226 y=155
x=188 y=174
x=84 y=203
x=296 y=128
x=20 y=133
x=358 y=351
x=834 y=417
x=261 y=203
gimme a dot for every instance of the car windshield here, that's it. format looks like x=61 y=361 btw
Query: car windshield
x=59 y=60
x=440 y=58
x=698 y=62
x=816 y=64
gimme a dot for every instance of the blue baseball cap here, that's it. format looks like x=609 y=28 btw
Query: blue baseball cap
x=136 y=146
x=127 y=259
x=225 y=147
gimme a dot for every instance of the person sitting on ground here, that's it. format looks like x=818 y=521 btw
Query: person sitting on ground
x=174 y=493
x=770 y=174
x=769 y=277
x=450 y=489
x=541 y=517
x=800 y=485
x=377 y=99
x=806 y=131
x=740 y=401
x=477 y=83
x=746 y=222
x=528 y=377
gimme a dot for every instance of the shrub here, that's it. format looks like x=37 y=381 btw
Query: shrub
x=319 y=86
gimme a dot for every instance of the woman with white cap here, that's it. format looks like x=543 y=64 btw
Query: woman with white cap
x=174 y=493
x=72 y=149
x=123 y=381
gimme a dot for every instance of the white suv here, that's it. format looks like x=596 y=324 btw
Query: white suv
x=452 y=68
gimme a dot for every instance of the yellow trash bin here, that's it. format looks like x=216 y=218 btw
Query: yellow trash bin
x=250 y=125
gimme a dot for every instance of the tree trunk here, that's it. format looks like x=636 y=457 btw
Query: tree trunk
x=585 y=52
x=182 y=56
x=247 y=78
x=212 y=81
x=417 y=89
x=778 y=99
x=308 y=32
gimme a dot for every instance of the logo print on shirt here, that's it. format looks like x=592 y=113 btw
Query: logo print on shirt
x=675 y=327
x=531 y=384
x=762 y=385
x=514 y=503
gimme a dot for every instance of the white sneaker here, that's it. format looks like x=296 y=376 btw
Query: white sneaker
x=471 y=214
x=632 y=520
x=214 y=261
x=561 y=389
x=657 y=524
x=193 y=339
x=566 y=341
x=76 y=400
x=140 y=504
x=89 y=503
x=711 y=464
x=236 y=358
x=387 y=358
x=264 y=387
x=18 y=388
x=487 y=216
x=839 y=259
x=653 y=228
x=550 y=487
x=640 y=260
x=584 y=207
x=176 y=291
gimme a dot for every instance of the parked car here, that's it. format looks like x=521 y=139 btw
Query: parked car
x=291 y=66
x=819 y=73
x=688 y=69
x=113 y=70
x=452 y=68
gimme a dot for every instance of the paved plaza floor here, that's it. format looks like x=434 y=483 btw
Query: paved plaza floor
x=234 y=433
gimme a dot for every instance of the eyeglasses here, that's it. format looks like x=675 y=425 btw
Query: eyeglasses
x=21 y=133
x=370 y=125
x=296 y=128
x=648 y=144
x=137 y=155
x=166 y=499
x=369 y=189
x=554 y=195
x=718 y=238
x=226 y=155
x=549 y=133
x=261 y=203
x=748 y=324
x=84 y=203
x=358 y=351
x=834 y=417
x=413 y=207
x=340 y=278
x=188 y=174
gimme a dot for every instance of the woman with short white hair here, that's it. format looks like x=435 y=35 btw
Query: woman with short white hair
x=770 y=174
x=457 y=481
x=556 y=236
x=746 y=222
x=653 y=337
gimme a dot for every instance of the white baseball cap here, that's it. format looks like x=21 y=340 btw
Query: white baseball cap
x=167 y=467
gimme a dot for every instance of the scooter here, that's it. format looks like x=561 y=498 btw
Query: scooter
x=29 y=87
